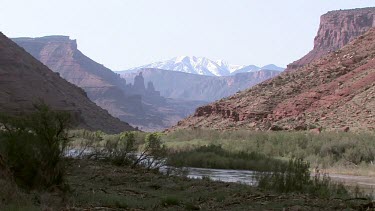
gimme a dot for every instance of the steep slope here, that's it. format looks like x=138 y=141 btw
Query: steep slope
x=133 y=103
x=337 y=28
x=193 y=87
x=200 y=66
x=24 y=81
x=333 y=92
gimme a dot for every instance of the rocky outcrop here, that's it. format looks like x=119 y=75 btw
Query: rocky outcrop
x=139 y=84
x=337 y=28
x=335 y=92
x=194 y=87
x=25 y=81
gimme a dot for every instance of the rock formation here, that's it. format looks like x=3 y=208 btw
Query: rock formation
x=337 y=28
x=194 y=87
x=139 y=84
x=335 y=92
x=25 y=81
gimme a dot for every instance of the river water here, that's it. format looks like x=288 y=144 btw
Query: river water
x=365 y=183
x=224 y=175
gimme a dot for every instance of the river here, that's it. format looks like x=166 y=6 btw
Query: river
x=365 y=183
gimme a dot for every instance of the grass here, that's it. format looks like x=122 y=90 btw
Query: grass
x=349 y=152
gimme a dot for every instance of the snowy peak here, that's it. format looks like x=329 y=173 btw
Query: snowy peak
x=203 y=66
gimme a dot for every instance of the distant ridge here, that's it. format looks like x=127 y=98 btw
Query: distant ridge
x=202 y=66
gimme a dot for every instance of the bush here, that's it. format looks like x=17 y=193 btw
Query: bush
x=124 y=149
x=292 y=178
x=153 y=152
x=33 y=146
x=296 y=178
x=121 y=150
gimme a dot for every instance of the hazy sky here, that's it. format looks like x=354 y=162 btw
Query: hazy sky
x=126 y=33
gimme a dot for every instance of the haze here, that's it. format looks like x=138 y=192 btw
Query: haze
x=127 y=33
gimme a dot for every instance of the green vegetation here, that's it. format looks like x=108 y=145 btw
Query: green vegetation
x=214 y=156
x=125 y=149
x=340 y=152
x=296 y=177
x=113 y=171
x=152 y=153
x=32 y=147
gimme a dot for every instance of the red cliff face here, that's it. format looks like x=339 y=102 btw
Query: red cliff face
x=337 y=28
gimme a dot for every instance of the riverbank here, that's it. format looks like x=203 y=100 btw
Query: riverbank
x=334 y=153
x=97 y=185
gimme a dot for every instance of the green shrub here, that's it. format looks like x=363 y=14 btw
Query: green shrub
x=153 y=152
x=121 y=150
x=33 y=146
x=296 y=178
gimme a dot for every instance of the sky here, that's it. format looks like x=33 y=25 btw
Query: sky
x=121 y=34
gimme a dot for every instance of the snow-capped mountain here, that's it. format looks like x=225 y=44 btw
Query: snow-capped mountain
x=202 y=66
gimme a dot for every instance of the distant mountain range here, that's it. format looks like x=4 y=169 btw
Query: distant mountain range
x=202 y=66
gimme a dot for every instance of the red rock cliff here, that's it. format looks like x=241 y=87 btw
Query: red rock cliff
x=337 y=28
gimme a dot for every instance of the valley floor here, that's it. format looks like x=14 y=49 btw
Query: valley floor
x=96 y=185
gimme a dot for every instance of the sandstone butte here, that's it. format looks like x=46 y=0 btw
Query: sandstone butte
x=334 y=92
x=25 y=81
